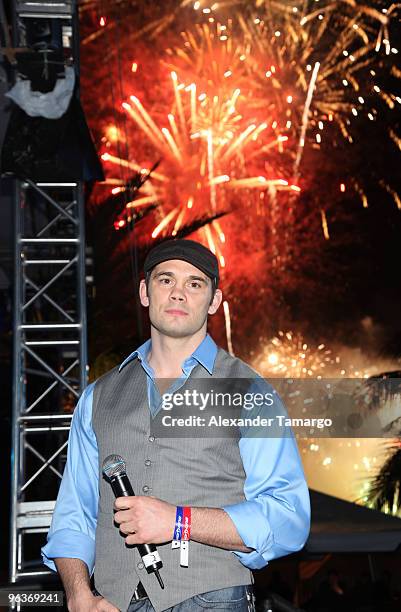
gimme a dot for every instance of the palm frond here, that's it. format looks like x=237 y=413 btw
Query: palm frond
x=382 y=387
x=384 y=493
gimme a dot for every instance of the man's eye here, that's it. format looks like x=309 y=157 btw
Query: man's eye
x=195 y=285
x=165 y=281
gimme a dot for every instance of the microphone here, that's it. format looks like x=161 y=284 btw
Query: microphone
x=113 y=469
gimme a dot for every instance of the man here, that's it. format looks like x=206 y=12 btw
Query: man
x=247 y=497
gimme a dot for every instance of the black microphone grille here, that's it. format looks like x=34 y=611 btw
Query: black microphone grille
x=112 y=465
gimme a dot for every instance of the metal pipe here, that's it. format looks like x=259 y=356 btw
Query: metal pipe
x=46 y=417
x=48 y=240
x=56 y=205
x=51 y=326
x=50 y=342
x=43 y=467
x=55 y=219
x=50 y=387
x=49 y=283
x=49 y=299
x=81 y=289
x=17 y=382
x=49 y=369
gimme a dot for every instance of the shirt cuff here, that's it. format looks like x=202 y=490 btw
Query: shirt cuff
x=252 y=560
x=254 y=529
x=71 y=545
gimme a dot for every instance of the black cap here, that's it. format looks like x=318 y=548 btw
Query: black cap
x=186 y=250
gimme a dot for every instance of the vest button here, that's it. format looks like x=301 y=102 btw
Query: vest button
x=140 y=565
x=146 y=489
x=152 y=438
x=148 y=462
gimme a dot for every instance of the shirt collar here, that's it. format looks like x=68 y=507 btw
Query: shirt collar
x=205 y=354
x=139 y=353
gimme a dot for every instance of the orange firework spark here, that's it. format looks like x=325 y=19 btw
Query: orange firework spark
x=205 y=152
x=289 y=355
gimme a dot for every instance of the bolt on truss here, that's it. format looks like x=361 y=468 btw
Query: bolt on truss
x=50 y=356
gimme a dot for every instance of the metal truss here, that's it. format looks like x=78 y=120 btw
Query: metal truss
x=49 y=343
x=50 y=355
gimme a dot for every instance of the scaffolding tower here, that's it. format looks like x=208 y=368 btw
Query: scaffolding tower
x=49 y=342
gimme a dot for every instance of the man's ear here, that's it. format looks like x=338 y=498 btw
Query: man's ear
x=216 y=301
x=143 y=294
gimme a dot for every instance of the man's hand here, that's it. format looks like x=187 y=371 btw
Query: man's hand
x=148 y=520
x=91 y=603
x=145 y=520
x=75 y=576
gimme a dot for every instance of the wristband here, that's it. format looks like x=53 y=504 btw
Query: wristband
x=182 y=533
x=186 y=530
x=177 y=534
x=186 y=533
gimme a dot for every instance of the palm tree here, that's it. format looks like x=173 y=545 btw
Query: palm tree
x=384 y=491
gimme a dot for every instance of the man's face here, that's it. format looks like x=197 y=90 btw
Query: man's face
x=179 y=298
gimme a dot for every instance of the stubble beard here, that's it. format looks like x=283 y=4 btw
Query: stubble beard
x=177 y=330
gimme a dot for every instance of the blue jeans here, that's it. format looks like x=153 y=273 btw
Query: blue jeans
x=239 y=598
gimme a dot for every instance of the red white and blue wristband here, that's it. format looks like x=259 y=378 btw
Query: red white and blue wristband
x=182 y=533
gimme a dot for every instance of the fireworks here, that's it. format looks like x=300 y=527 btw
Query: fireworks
x=289 y=355
x=324 y=59
x=253 y=101
x=212 y=149
x=250 y=93
x=243 y=104
x=326 y=460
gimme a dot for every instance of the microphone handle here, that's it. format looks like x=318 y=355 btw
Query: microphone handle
x=121 y=486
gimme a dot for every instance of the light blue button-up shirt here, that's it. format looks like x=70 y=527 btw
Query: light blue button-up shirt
x=273 y=520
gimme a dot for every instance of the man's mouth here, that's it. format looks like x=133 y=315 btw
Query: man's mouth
x=175 y=311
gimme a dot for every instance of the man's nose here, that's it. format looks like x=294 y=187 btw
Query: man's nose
x=177 y=294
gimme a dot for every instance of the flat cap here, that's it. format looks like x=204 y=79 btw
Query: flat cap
x=186 y=250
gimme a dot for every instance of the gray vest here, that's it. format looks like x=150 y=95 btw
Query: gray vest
x=211 y=469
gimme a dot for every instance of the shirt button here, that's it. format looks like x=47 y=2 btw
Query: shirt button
x=140 y=565
x=148 y=462
x=151 y=438
x=146 y=489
